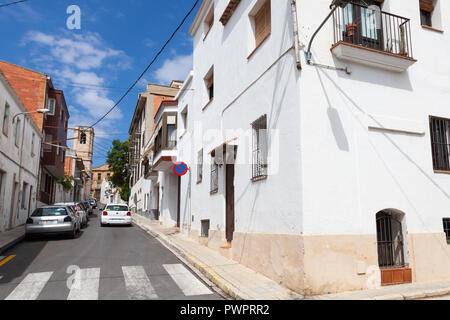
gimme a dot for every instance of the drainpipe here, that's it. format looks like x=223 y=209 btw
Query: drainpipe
x=296 y=38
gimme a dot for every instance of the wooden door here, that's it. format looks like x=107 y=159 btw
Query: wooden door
x=229 y=199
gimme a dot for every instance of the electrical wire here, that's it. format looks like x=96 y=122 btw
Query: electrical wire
x=150 y=64
x=12 y=3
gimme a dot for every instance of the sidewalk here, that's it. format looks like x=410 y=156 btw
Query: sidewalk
x=11 y=237
x=236 y=280
x=242 y=283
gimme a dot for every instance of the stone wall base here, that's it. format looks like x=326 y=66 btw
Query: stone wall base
x=323 y=264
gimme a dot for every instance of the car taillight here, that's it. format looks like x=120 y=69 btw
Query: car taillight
x=30 y=221
x=129 y=214
x=76 y=209
x=105 y=213
x=68 y=219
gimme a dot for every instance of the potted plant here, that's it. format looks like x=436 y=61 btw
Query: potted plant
x=350 y=30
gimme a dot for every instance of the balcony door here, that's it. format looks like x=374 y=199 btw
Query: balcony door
x=362 y=21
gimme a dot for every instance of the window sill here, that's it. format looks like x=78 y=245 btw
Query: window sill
x=214 y=192
x=260 y=178
x=259 y=45
x=432 y=29
x=198 y=182
x=206 y=105
x=442 y=171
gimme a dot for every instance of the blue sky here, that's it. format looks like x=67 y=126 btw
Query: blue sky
x=95 y=65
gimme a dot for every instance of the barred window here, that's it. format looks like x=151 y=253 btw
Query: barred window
x=6 y=120
x=440 y=142
x=214 y=175
x=205 y=225
x=259 y=148
x=200 y=166
x=447 y=229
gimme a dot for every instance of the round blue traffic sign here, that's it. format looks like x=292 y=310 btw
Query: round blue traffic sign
x=180 y=168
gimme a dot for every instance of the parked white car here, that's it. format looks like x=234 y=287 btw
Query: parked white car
x=80 y=210
x=115 y=214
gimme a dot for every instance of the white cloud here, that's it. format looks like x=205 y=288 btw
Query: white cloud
x=176 y=68
x=85 y=52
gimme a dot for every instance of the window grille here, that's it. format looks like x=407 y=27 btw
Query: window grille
x=214 y=176
x=259 y=147
x=205 y=228
x=447 y=229
x=440 y=141
x=200 y=166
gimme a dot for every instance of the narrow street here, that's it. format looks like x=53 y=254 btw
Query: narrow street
x=115 y=263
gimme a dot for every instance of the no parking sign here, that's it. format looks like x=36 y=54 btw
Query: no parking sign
x=180 y=168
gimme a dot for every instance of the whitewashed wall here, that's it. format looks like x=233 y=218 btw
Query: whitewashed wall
x=10 y=161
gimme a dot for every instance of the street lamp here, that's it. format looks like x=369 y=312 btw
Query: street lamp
x=43 y=111
x=334 y=4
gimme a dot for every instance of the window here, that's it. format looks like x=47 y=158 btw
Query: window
x=440 y=143
x=57 y=149
x=83 y=138
x=425 y=18
x=430 y=14
x=6 y=120
x=200 y=166
x=17 y=133
x=259 y=148
x=99 y=176
x=24 y=195
x=184 y=118
x=214 y=175
x=209 y=83
x=51 y=106
x=171 y=136
x=205 y=228
x=61 y=114
x=209 y=22
x=447 y=229
x=260 y=18
x=2 y=175
x=33 y=137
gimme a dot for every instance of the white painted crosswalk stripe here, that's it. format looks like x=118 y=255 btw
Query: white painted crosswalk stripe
x=186 y=281
x=85 y=285
x=138 y=284
x=30 y=287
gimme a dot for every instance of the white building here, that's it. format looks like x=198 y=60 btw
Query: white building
x=142 y=200
x=340 y=181
x=20 y=147
x=109 y=194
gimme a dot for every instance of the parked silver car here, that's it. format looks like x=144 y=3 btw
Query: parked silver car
x=53 y=220
x=89 y=207
x=79 y=209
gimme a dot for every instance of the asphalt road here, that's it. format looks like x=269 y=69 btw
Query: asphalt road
x=111 y=263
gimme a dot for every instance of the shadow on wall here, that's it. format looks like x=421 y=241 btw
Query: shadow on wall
x=388 y=138
x=335 y=121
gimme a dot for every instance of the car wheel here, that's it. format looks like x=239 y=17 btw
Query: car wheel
x=73 y=234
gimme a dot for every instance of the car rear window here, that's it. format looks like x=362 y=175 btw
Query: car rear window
x=49 y=212
x=116 y=208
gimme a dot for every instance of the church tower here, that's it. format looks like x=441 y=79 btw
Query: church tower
x=84 y=147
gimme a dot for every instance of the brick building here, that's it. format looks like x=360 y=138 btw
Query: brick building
x=36 y=91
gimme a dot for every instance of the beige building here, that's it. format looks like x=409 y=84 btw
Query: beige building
x=99 y=175
x=84 y=147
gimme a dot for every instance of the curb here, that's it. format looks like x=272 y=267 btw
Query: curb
x=229 y=290
x=11 y=243
x=415 y=295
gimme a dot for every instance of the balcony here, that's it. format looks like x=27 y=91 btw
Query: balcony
x=372 y=37
x=165 y=136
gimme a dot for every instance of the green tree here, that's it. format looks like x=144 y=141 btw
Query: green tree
x=117 y=160
x=66 y=182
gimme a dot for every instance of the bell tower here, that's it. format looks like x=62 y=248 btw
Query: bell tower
x=84 y=147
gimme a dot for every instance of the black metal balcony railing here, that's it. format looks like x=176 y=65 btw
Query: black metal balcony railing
x=372 y=28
